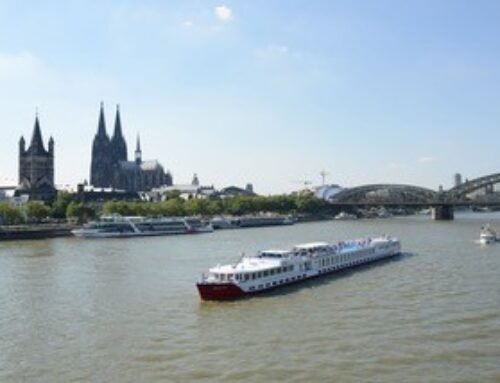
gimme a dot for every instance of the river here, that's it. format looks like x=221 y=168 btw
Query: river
x=127 y=310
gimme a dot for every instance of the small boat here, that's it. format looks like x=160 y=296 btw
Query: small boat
x=272 y=269
x=116 y=226
x=487 y=235
x=343 y=216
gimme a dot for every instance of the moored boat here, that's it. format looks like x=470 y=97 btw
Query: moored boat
x=487 y=235
x=270 y=269
x=343 y=216
x=116 y=226
x=250 y=221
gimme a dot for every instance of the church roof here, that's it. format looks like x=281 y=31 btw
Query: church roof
x=128 y=165
x=36 y=144
x=151 y=165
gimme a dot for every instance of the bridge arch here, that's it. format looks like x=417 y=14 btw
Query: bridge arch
x=359 y=193
x=468 y=187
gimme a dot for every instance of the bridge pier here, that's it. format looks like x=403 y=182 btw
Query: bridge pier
x=442 y=213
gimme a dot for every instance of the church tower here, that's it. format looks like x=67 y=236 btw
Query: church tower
x=36 y=167
x=101 y=169
x=118 y=144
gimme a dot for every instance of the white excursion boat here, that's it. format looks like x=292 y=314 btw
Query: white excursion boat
x=270 y=269
x=116 y=226
x=487 y=235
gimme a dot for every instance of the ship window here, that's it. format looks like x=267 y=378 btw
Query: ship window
x=222 y=277
x=272 y=271
x=278 y=270
x=247 y=277
x=259 y=275
x=266 y=273
x=254 y=275
x=229 y=277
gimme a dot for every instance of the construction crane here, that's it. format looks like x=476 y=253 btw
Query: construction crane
x=323 y=175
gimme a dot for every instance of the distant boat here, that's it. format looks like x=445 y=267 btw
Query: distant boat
x=487 y=235
x=116 y=226
x=343 y=216
x=424 y=212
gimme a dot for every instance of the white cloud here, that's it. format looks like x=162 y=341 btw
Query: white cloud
x=17 y=65
x=187 y=24
x=223 y=13
x=426 y=159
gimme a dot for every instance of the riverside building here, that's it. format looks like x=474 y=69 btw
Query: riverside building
x=36 y=167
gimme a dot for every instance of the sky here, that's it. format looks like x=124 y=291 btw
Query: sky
x=262 y=91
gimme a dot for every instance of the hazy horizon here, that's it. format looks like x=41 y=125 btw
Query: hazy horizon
x=258 y=91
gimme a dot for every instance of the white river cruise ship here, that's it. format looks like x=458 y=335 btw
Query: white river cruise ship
x=271 y=269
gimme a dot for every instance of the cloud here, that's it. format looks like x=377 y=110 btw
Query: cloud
x=223 y=13
x=17 y=65
x=187 y=24
x=426 y=159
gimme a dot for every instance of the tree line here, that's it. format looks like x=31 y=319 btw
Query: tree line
x=67 y=206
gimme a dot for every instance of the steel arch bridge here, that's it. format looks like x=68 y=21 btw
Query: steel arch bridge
x=460 y=191
x=395 y=193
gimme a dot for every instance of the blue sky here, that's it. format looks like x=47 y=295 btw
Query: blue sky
x=268 y=92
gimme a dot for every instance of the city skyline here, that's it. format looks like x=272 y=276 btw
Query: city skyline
x=239 y=92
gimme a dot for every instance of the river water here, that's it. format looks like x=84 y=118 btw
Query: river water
x=126 y=310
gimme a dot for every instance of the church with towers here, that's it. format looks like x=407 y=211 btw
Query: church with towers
x=110 y=167
x=36 y=167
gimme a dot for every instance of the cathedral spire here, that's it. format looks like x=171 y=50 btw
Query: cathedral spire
x=118 y=144
x=118 y=123
x=101 y=129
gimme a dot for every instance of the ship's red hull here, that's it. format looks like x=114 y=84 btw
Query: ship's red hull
x=219 y=291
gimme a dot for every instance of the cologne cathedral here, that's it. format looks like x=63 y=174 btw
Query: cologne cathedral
x=110 y=167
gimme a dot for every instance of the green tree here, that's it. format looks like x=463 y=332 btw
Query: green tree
x=10 y=215
x=214 y=207
x=197 y=206
x=81 y=212
x=173 y=208
x=36 y=211
x=312 y=205
x=59 y=206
